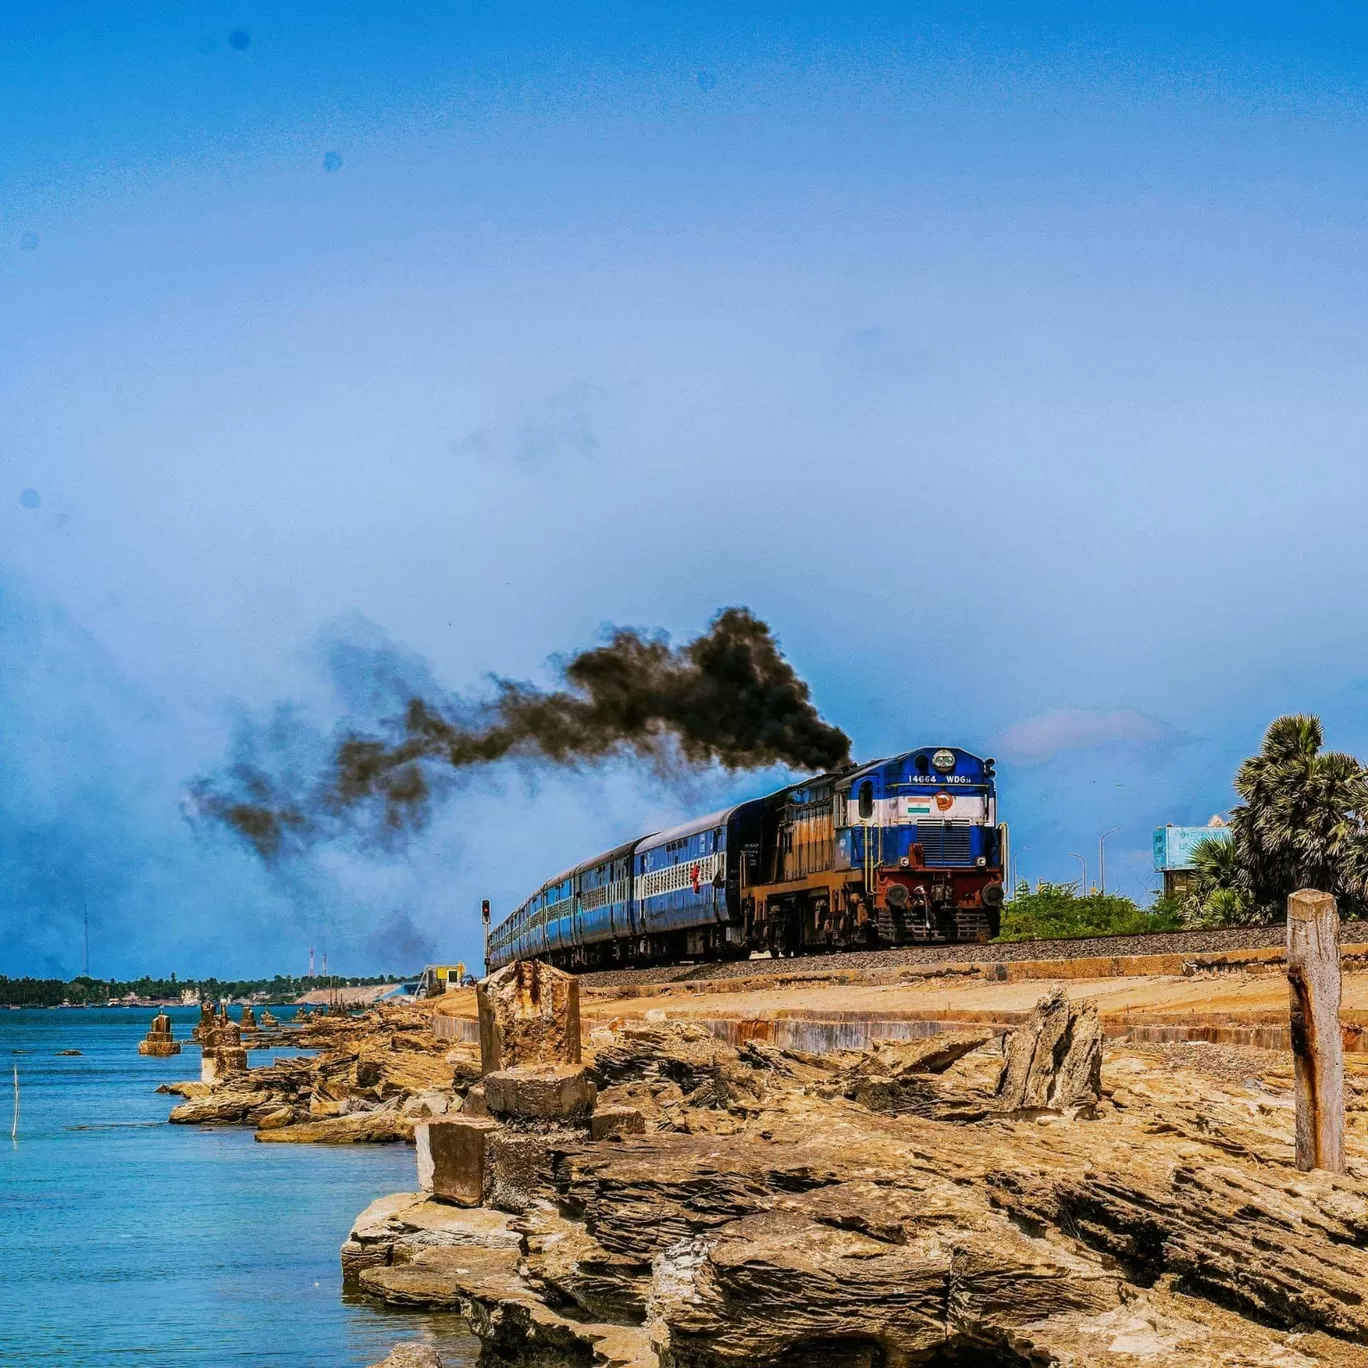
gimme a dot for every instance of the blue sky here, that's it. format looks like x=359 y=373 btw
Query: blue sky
x=1008 y=360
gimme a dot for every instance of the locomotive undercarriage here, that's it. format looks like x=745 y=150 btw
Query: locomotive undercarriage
x=910 y=907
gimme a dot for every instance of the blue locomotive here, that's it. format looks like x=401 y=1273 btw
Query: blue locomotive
x=899 y=851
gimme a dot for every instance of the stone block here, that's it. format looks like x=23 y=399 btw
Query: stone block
x=474 y=1103
x=608 y=1121
x=218 y=1065
x=529 y=1014
x=520 y=1168
x=560 y=1091
x=452 y=1157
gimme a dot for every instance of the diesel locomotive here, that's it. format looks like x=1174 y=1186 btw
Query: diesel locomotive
x=895 y=852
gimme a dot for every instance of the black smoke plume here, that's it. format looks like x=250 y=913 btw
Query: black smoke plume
x=727 y=698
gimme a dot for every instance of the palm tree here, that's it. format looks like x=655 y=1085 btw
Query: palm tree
x=1219 y=893
x=1302 y=821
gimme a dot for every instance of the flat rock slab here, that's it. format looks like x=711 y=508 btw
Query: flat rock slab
x=375 y=1128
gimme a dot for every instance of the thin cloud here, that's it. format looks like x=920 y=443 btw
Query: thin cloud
x=1037 y=739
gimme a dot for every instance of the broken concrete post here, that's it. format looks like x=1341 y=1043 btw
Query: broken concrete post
x=557 y=1091
x=248 y=1018
x=160 y=1040
x=451 y=1158
x=206 y=1023
x=1054 y=1060
x=221 y=1052
x=529 y=1014
x=1313 y=978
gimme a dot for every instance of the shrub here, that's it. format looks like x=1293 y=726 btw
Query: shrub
x=1057 y=912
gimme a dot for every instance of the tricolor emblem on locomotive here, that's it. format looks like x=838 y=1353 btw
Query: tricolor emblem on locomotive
x=895 y=852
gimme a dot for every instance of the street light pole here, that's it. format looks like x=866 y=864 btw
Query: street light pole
x=1102 y=860
x=1083 y=887
x=1016 y=856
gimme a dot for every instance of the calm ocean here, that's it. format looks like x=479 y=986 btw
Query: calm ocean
x=127 y=1240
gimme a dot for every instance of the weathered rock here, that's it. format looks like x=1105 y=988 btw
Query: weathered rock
x=520 y=1165
x=529 y=1014
x=560 y=1091
x=679 y=1052
x=474 y=1103
x=1054 y=1061
x=1170 y=1231
x=608 y=1121
x=514 y=1324
x=249 y=1022
x=451 y=1158
x=376 y=1128
x=411 y=1355
x=386 y=1061
x=225 y=1108
x=394 y=1229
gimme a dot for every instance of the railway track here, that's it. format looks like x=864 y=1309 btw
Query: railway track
x=1156 y=943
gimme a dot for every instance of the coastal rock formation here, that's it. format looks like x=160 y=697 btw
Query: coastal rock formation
x=160 y=1040
x=374 y=1079
x=411 y=1355
x=927 y=1202
x=1054 y=1061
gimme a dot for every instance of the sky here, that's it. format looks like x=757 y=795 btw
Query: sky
x=1007 y=359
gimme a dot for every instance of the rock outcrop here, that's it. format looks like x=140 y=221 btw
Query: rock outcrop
x=1054 y=1061
x=374 y=1079
x=928 y=1202
x=411 y=1355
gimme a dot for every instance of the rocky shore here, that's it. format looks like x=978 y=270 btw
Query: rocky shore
x=375 y=1076
x=1044 y=1199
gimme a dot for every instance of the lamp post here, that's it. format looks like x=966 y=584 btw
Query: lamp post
x=1016 y=856
x=1083 y=887
x=1102 y=860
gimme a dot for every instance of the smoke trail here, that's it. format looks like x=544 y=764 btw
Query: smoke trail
x=728 y=698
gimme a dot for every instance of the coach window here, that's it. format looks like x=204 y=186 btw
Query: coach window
x=866 y=800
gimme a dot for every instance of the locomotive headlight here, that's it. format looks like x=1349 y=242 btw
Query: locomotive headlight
x=981 y=862
x=944 y=761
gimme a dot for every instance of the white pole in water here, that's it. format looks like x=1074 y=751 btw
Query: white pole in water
x=14 y=1129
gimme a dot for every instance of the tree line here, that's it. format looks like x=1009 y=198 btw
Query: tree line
x=86 y=991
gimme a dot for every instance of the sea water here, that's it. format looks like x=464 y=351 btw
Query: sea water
x=125 y=1240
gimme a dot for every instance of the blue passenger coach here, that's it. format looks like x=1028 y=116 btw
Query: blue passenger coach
x=901 y=850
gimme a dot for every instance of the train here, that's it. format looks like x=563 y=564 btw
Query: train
x=898 y=851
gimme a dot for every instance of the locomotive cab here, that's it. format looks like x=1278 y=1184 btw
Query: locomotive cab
x=920 y=832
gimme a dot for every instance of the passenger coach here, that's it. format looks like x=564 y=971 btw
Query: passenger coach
x=903 y=850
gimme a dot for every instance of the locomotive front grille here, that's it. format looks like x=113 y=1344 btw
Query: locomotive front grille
x=944 y=843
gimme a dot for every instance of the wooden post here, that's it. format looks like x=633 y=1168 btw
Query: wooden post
x=1313 y=976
